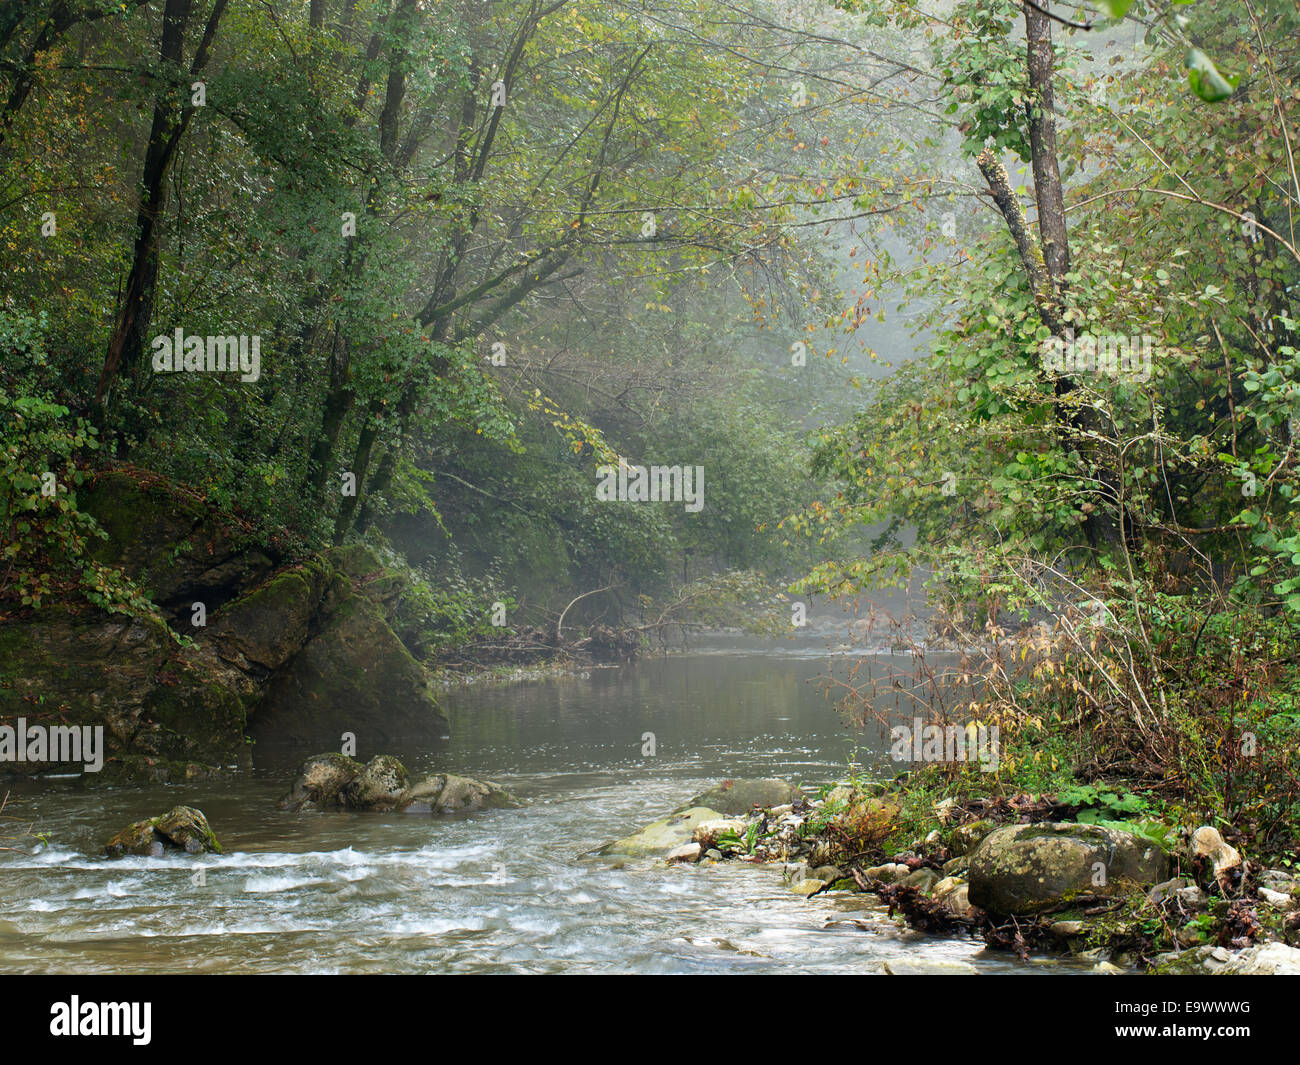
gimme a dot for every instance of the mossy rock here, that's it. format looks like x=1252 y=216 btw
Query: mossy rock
x=659 y=838
x=356 y=561
x=965 y=838
x=153 y=699
x=1026 y=869
x=334 y=781
x=135 y=770
x=171 y=541
x=303 y=654
x=378 y=786
x=182 y=828
x=320 y=782
x=264 y=629
x=354 y=675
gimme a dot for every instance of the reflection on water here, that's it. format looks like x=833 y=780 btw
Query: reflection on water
x=504 y=891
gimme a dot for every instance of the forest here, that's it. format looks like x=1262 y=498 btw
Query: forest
x=360 y=359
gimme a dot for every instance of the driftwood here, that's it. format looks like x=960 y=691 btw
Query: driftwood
x=531 y=645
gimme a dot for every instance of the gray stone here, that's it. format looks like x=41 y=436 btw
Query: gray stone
x=1161 y=892
x=922 y=879
x=735 y=797
x=1024 y=869
x=662 y=836
x=1277 y=880
x=956 y=866
x=687 y=852
x=1278 y=900
x=446 y=793
x=889 y=872
x=1265 y=959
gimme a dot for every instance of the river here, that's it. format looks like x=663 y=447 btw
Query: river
x=500 y=892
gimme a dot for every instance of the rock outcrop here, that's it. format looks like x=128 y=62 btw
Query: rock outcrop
x=290 y=650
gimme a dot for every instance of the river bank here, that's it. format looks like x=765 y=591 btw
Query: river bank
x=1015 y=874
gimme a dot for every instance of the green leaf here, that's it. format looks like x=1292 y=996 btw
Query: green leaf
x=1206 y=80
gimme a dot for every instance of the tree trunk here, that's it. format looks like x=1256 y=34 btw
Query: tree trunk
x=1041 y=111
x=126 y=345
x=1046 y=261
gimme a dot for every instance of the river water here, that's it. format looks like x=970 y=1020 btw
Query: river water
x=505 y=891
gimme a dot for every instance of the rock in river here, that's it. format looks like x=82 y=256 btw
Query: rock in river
x=336 y=782
x=446 y=793
x=675 y=830
x=1029 y=868
x=320 y=782
x=737 y=797
x=378 y=786
x=182 y=828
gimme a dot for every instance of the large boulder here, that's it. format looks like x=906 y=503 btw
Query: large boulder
x=182 y=828
x=180 y=548
x=1025 y=869
x=738 y=797
x=353 y=675
x=656 y=840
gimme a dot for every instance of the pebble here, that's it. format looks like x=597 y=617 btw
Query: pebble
x=687 y=852
x=1277 y=899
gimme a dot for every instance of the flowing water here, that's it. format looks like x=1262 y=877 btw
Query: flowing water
x=505 y=891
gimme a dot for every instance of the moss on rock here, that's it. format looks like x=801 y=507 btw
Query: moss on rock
x=182 y=828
